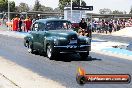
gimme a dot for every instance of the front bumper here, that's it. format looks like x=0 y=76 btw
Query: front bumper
x=73 y=49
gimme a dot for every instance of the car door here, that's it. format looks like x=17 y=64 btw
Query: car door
x=35 y=34
x=41 y=32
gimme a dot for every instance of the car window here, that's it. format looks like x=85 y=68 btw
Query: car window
x=50 y=25
x=41 y=26
x=54 y=25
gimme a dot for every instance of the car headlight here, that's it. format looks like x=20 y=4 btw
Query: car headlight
x=87 y=40
x=56 y=41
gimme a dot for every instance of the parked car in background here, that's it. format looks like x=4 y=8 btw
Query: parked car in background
x=56 y=36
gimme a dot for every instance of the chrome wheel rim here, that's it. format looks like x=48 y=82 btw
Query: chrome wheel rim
x=26 y=45
x=49 y=51
x=29 y=48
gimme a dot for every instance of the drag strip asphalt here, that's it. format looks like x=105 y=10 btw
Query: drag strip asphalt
x=112 y=38
x=64 y=70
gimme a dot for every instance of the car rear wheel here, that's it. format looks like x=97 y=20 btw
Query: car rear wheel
x=84 y=56
x=30 y=48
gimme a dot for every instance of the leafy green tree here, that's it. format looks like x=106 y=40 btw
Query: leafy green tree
x=117 y=12
x=57 y=9
x=63 y=3
x=48 y=9
x=83 y=3
x=23 y=7
x=17 y=9
x=37 y=6
x=12 y=6
x=77 y=2
x=4 y=6
x=45 y=9
x=105 y=11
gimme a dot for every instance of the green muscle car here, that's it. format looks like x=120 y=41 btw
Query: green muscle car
x=53 y=37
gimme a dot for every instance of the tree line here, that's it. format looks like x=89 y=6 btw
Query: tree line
x=24 y=7
x=109 y=11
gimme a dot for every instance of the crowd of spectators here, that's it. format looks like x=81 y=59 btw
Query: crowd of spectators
x=19 y=23
x=103 y=26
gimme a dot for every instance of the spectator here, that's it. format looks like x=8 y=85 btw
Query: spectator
x=20 y=25
x=83 y=24
x=106 y=27
x=82 y=27
x=28 y=23
x=15 y=23
x=110 y=27
x=103 y=26
x=98 y=27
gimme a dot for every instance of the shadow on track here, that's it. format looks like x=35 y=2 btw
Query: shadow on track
x=70 y=57
x=74 y=57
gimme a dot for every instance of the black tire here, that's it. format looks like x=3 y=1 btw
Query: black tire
x=50 y=52
x=84 y=56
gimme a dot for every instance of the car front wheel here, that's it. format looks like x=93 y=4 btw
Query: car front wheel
x=50 y=52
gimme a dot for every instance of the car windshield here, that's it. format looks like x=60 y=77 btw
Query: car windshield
x=58 y=25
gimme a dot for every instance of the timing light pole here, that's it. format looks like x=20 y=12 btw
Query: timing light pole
x=8 y=13
x=71 y=10
x=80 y=11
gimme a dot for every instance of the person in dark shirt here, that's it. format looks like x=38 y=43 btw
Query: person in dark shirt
x=83 y=24
x=20 y=25
x=110 y=27
x=82 y=27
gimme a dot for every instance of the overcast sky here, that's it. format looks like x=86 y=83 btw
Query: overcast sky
x=122 y=5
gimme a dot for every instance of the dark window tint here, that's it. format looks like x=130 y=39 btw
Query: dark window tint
x=54 y=25
x=41 y=26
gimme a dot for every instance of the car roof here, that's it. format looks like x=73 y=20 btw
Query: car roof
x=50 y=19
